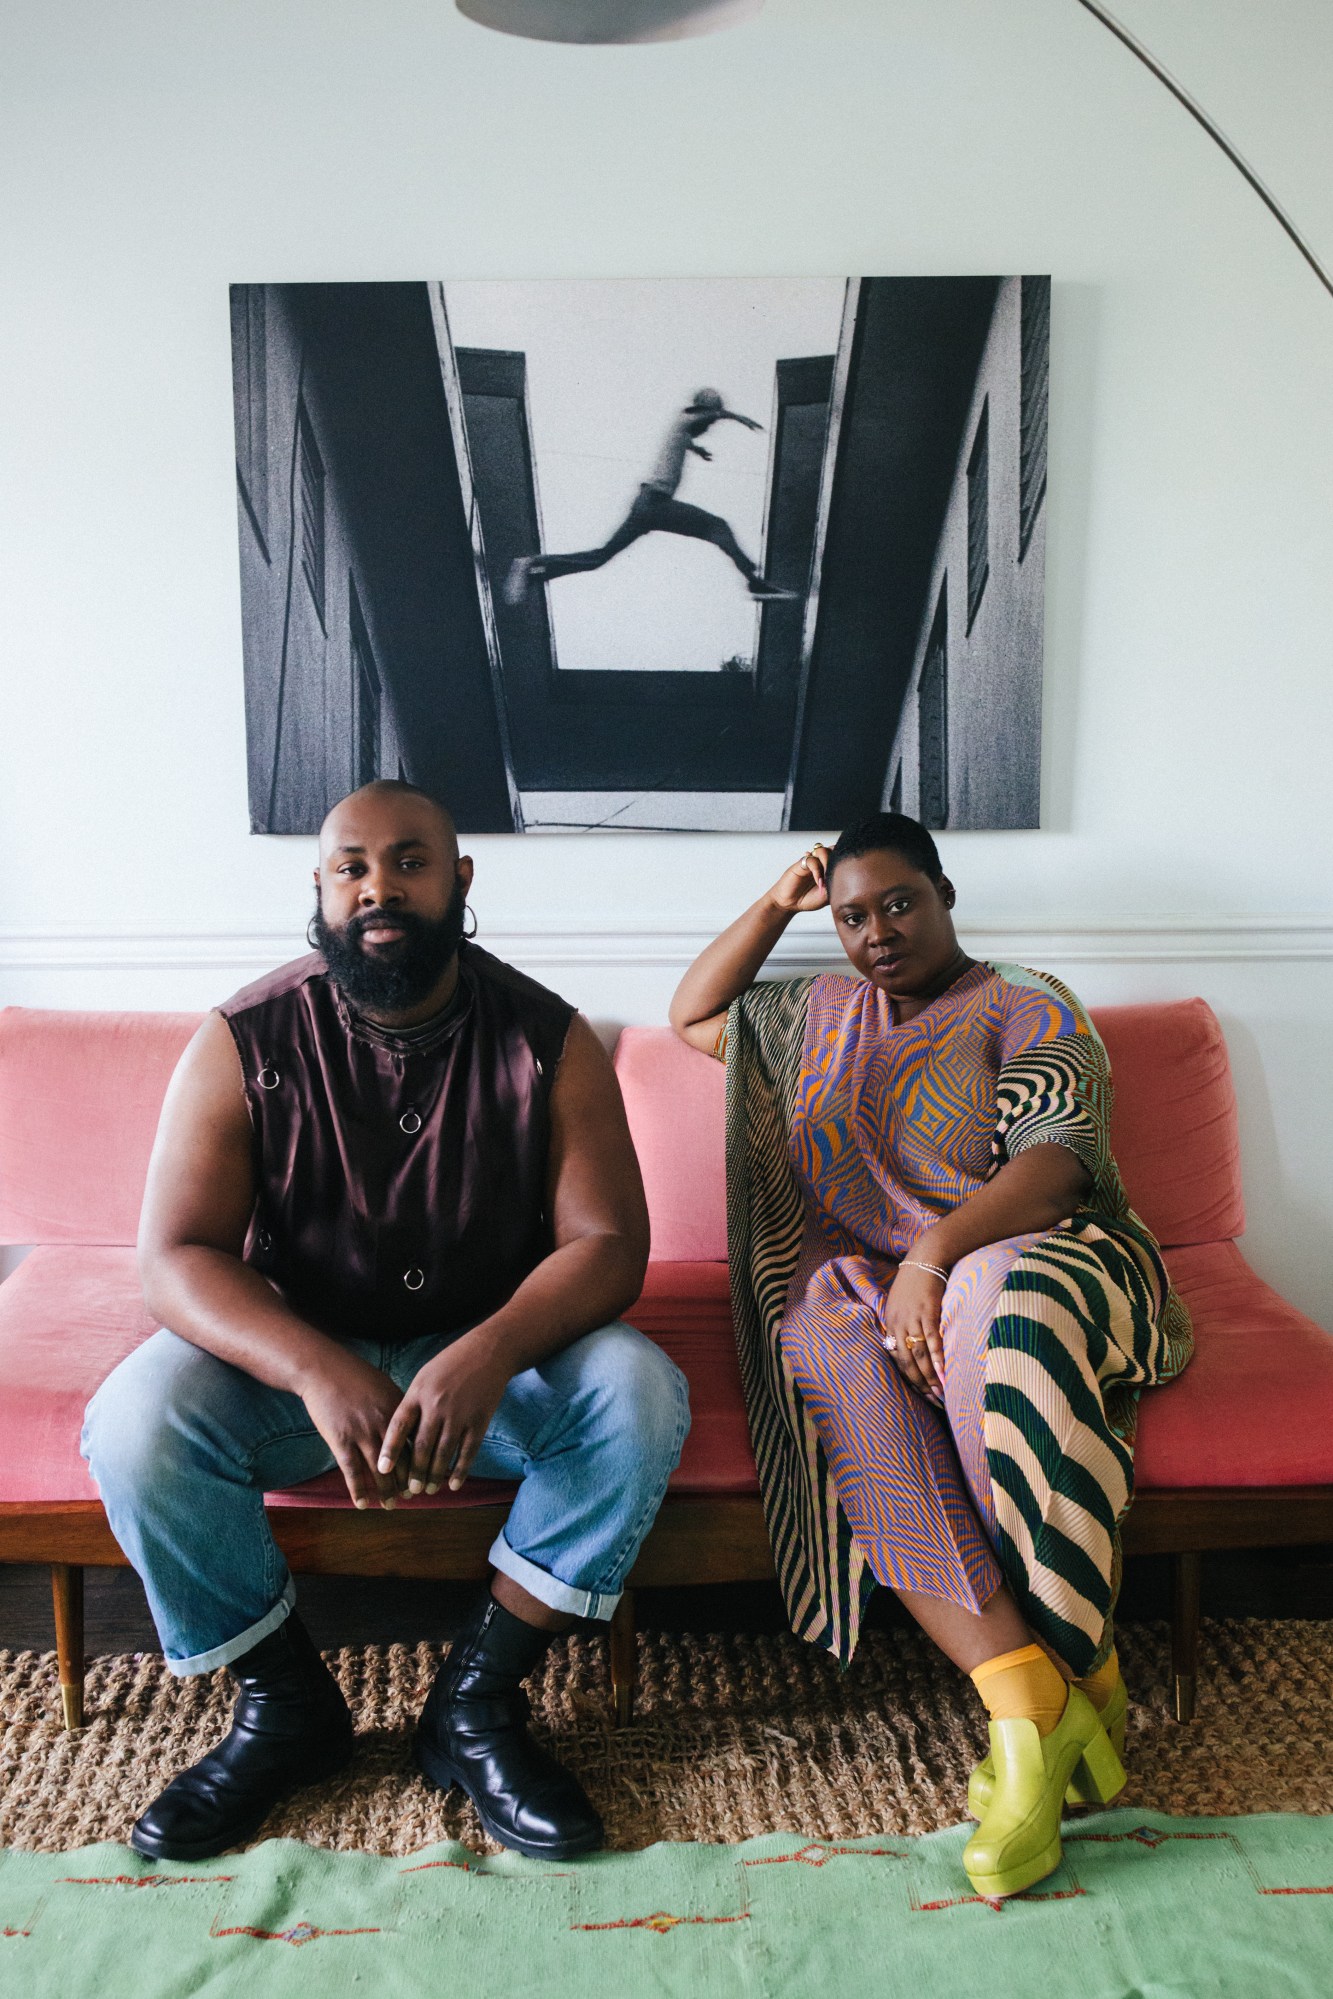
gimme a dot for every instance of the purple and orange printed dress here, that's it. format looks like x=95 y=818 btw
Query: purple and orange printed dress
x=847 y=1136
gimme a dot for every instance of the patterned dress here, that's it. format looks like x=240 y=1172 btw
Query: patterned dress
x=847 y=1136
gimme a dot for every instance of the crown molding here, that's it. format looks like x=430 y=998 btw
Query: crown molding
x=1129 y=940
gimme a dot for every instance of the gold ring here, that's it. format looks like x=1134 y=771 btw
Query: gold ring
x=915 y=1340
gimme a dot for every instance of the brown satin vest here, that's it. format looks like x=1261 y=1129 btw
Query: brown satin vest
x=400 y=1181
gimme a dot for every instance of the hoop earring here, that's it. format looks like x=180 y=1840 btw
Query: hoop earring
x=468 y=910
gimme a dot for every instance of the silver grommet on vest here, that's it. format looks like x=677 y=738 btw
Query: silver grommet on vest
x=269 y=1077
x=264 y=1240
x=410 y=1122
x=414 y=1278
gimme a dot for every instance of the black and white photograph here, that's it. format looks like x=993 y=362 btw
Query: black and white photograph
x=727 y=555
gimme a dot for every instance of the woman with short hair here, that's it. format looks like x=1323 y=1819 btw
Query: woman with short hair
x=945 y=1309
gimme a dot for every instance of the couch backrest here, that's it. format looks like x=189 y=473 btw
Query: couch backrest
x=79 y=1100
x=1173 y=1128
x=80 y=1095
x=675 y=1099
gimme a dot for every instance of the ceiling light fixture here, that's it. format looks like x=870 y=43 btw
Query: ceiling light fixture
x=609 y=20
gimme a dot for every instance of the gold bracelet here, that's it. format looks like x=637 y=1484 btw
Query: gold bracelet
x=914 y=1263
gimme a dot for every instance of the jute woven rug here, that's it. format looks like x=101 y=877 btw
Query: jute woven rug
x=735 y=1736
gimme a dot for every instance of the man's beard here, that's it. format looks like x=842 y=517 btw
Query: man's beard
x=397 y=979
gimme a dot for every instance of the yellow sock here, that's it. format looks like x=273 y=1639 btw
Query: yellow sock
x=1099 y=1686
x=1023 y=1684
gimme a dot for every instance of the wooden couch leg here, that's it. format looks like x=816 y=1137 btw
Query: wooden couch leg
x=1187 y=1571
x=67 y=1596
x=624 y=1661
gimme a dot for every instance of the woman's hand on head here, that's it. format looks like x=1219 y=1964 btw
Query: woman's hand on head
x=804 y=885
x=910 y=1319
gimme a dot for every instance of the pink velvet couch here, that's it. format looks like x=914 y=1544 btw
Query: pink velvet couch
x=1238 y=1453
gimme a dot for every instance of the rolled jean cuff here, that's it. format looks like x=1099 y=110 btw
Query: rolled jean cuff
x=236 y=1648
x=549 y=1589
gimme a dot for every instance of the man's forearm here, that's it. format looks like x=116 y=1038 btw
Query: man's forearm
x=578 y=1287
x=215 y=1301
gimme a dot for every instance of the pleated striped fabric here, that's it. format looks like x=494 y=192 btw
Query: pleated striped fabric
x=890 y=1453
x=847 y=1135
x=823 y=1573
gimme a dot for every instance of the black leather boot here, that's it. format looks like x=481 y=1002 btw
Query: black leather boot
x=290 y=1727
x=472 y=1733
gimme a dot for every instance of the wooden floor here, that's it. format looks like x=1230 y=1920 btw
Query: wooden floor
x=357 y=1610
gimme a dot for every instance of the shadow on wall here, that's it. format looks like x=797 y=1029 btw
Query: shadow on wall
x=1304 y=1046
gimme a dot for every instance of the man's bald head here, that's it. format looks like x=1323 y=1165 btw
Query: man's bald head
x=386 y=804
x=391 y=898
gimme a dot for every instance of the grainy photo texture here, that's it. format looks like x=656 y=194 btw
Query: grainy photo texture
x=725 y=555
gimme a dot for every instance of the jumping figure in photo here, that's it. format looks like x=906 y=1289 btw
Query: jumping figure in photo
x=656 y=510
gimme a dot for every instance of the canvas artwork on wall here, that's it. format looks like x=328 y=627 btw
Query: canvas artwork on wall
x=728 y=555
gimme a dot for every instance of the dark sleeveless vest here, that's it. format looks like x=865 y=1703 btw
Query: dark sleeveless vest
x=400 y=1179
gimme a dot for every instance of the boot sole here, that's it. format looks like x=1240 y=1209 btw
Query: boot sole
x=445 y=1776
x=180 y=1849
x=1015 y=1879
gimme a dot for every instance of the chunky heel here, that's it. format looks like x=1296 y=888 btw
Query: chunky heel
x=1081 y=1792
x=1116 y=1733
x=1100 y=1775
x=982 y=1781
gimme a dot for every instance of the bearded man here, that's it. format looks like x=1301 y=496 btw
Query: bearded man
x=392 y=1215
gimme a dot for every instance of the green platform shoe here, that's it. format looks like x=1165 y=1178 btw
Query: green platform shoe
x=1080 y=1792
x=1018 y=1841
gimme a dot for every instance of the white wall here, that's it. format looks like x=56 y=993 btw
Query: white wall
x=153 y=152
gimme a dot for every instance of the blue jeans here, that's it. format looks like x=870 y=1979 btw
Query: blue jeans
x=183 y=1447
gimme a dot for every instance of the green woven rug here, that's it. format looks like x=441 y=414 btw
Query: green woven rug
x=1145 y=1907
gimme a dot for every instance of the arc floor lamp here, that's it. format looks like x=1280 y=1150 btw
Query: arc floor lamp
x=629 y=21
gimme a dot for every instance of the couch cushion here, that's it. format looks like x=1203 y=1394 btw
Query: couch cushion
x=330 y=1490
x=1255 y=1405
x=69 y=1315
x=1173 y=1129
x=79 y=1100
x=686 y=1308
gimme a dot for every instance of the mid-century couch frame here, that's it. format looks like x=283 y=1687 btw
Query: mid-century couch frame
x=695 y=1540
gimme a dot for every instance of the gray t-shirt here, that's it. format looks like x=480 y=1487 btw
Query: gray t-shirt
x=669 y=466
